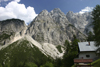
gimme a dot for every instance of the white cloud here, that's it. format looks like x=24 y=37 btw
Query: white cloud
x=16 y=10
x=86 y=9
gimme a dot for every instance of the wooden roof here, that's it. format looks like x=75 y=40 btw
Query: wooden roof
x=83 y=60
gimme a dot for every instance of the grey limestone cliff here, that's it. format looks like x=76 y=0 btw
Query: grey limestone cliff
x=81 y=21
x=53 y=27
x=11 y=28
x=14 y=25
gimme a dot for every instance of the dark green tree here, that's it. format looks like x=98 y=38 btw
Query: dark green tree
x=74 y=47
x=90 y=36
x=70 y=53
x=58 y=62
x=30 y=64
x=67 y=46
x=47 y=64
x=96 y=24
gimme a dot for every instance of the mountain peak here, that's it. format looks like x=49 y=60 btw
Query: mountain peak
x=56 y=10
x=44 y=12
x=70 y=12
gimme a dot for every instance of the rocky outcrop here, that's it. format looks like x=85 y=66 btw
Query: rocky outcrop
x=81 y=21
x=10 y=29
x=53 y=27
x=14 y=25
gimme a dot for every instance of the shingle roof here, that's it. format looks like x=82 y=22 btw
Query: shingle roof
x=84 y=46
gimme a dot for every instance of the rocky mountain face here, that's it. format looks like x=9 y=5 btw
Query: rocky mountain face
x=14 y=25
x=81 y=21
x=46 y=31
x=11 y=29
x=53 y=27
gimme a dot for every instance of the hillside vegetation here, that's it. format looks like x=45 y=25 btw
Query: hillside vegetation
x=96 y=63
x=22 y=54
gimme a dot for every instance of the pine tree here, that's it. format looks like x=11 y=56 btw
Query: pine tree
x=96 y=24
x=90 y=36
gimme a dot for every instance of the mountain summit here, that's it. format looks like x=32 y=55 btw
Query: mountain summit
x=53 y=27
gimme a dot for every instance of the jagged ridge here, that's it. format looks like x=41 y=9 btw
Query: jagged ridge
x=53 y=27
x=83 y=22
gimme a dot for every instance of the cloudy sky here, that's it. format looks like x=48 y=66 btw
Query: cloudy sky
x=27 y=10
